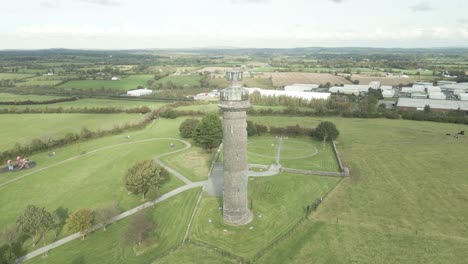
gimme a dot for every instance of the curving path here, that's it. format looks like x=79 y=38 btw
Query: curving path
x=188 y=185
x=187 y=145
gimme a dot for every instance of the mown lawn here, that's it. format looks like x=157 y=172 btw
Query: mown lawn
x=182 y=80
x=171 y=218
x=278 y=203
x=193 y=163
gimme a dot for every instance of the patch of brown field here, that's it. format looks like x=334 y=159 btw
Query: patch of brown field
x=213 y=69
x=288 y=78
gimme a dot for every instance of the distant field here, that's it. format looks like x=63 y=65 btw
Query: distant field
x=20 y=97
x=258 y=82
x=14 y=76
x=182 y=80
x=37 y=83
x=364 y=79
x=213 y=107
x=219 y=83
x=127 y=83
x=25 y=127
x=90 y=103
x=288 y=78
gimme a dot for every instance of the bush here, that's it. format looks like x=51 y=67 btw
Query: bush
x=209 y=132
x=188 y=127
x=251 y=129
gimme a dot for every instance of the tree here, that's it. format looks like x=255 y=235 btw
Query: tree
x=80 y=221
x=35 y=222
x=59 y=217
x=138 y=229
x=251 y=129
x=187 y=127
x=9 y=235
x=145 y=175
x=9 y=256
x=105 y=214
x=209 y=132
x=427 y=109
x=326 y=131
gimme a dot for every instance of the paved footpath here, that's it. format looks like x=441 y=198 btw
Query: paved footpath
x=189 y=185
x=130 y=212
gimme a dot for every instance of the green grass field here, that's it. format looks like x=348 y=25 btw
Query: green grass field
x=4 y=97
x=402 y=204
x=29 y=83
x=182 y=80
x=26 y=127
x=89 y=103
x=127 y=83
x=278 y=203
x=14 y=76
x=193 y=163
x=298 y=153
x=171 y=219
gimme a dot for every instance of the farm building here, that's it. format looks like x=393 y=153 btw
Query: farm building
x=418 y=88
x=437 y=95
x=386 y=87
x=425 y=84
x=445 y=82
x=456 y=86
x=303 y=95
x=435 y=105
x=301 y=87
x=388 y=93
x=431 y=89
x=374 y=85
x=419 y=95
x=115 y=78
x=406 y=89
x=139 y=92
x=463 y=96
x=349 y=89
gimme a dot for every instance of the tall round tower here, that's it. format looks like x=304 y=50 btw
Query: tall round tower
x=234 y=103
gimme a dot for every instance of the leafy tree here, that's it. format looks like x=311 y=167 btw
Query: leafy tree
x=59 y=217
x=8 y=256
x=105 y=214
x=35 y=222
x=187 y=127
x=209 y=132
x=261 y=129
x=251 y=129
x=81 y=221
x=168 y=113
x=10 y=235
x=326 y=131
x=145 y=175
x=138 y=229
x=427 y=109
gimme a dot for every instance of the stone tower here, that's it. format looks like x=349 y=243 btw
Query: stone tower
x=234 y=103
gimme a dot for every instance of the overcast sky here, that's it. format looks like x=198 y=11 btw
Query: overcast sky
x=125 y=24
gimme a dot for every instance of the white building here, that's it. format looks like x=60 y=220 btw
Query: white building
x=139 y=92
x=115 y=78
x=419 y=104
x=419 y=95
x=374 y=85
x=386 y=87
x=303 y=95
x=301 y=87
x=388 y=93
x=463 y=97
x=437 y=95
x=431 y=89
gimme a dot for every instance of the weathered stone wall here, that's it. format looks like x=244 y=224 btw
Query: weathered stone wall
x=235 y=202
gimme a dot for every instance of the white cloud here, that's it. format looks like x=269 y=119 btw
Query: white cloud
x=250 y=1
x=421 y=7
x=50 y=3
x=102 y=2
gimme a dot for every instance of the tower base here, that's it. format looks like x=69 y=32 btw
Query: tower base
x=237 y=218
